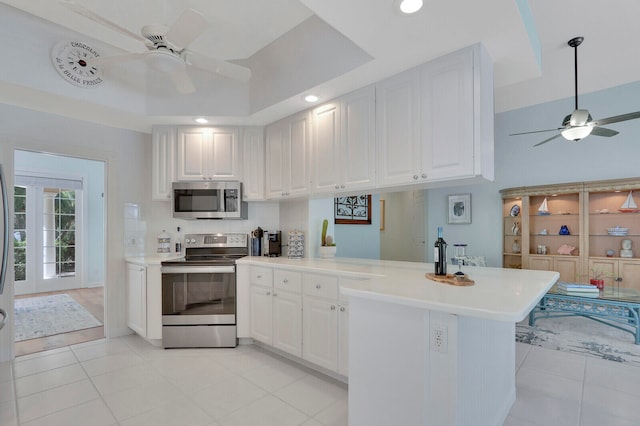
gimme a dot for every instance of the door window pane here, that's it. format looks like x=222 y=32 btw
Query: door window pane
x=20 y=233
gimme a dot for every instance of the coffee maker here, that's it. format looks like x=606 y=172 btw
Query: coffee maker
x=272 y=243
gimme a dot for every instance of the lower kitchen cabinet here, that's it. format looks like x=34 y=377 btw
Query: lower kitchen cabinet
x=276 y=314
x=567 y=266
x=616 y=271
x=320 y=332
x=144 y=300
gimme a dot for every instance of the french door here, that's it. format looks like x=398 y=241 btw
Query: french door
x=48 y=217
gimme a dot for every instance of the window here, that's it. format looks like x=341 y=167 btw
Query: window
x=47 y=229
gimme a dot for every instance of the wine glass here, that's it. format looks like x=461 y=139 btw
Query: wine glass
x=460 y=252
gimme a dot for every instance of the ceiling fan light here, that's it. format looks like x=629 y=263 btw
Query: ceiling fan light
x=410 y=6
x=164 y=61
x=576 y=133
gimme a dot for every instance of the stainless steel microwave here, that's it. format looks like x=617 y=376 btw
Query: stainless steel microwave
x=208 y=200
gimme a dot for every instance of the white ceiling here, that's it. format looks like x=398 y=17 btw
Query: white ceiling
x=343 y=45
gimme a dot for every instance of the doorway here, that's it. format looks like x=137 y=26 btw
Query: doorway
x=59 y=250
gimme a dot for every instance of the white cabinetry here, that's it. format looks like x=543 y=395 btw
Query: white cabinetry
x=253 y=163
x=144 y=306
x=435 y=122
x=320 y=320
x=276 y=308
x=286 y=157
x=163 y=170
x=398 y=129
x=344 y=143
x=208 y=153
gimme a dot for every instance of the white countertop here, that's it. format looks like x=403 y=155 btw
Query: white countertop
x=149 y=260
x=498 y=294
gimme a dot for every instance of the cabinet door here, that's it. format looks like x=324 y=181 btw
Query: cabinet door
x=320 y=329
x=297 y=177
x=224 y=161
x=163 y=162
x=287 y=322
x=275 y=148
x=357 y=140
x=607 y=268
x=398 y=129
x=343 y=339
x=253 y=164
x=629 y=271
x=447 y=116
x=568 y=267
x=326 y=158
x=261 y=314
x=541 y=263
x=137 y=299
x=193 y=153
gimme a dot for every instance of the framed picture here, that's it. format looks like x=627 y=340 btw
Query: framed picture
x=459 y=209
x=353 y=210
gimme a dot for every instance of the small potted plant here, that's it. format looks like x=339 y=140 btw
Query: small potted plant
x=328 y=247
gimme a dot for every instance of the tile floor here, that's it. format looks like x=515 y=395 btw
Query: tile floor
x=126 y=381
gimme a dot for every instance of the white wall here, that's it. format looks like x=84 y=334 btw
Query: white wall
x=518 y=163
x=126 y=155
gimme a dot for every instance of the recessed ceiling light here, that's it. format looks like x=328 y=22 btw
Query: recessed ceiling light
x=409 y=6
x=201 y=120
x=311 y=98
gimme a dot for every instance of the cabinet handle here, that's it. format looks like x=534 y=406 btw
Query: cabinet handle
x=268 y=293
x=337 y=186
x=259 y=276
x=285 y=281
x=415 y=177
x=342 y=186
x=424 y=176
x=318 y=286
x=333 y=307
x=341 y=308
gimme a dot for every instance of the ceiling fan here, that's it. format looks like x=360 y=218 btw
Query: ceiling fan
x=579 y=124
x=167 y=48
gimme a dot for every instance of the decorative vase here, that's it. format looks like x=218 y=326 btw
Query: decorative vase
x=597 y=282
x=327 y=252
x=515 y=229
x=515 y=247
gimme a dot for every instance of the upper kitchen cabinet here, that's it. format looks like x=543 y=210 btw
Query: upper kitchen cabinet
x=435 y=122
x=343 y=141
x=398 y=129
x=286 y=157
x=163 y=162
x=208 y=153
x=253 y=163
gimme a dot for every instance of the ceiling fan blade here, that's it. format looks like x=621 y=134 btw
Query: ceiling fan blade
x=83 y=11
x=617 y=118
x=187 y=28
x=183 y=83
x=601 y=131
x=224 y=68
x=548 y=140
x=535 y=131
x=110 y=60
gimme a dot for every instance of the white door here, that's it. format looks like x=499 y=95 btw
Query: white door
x=261 y=314
x=48 y=214
x=137 y=298
x=297 y=155
x=320 y=332
x=224 y=161
x=357 y=140
x=275 y=161
x=193 y=153
x=326 y=148
x=287 y=322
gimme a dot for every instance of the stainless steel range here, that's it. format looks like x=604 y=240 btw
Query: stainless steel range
x=199 y=292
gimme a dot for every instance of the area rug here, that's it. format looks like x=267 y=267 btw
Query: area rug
x=581 y=336
x=49 y=315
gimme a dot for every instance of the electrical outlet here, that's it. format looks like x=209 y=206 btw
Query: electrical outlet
x=439 y=338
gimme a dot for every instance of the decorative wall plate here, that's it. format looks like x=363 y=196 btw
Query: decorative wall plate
x=515 y=210
x=71 y=60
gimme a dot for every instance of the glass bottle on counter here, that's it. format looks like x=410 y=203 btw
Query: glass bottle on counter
x=179 y=242
x=440 y=254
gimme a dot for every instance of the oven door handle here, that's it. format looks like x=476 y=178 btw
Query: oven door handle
x=198 y=269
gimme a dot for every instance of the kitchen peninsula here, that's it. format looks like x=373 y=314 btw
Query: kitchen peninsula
x=419 y=352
